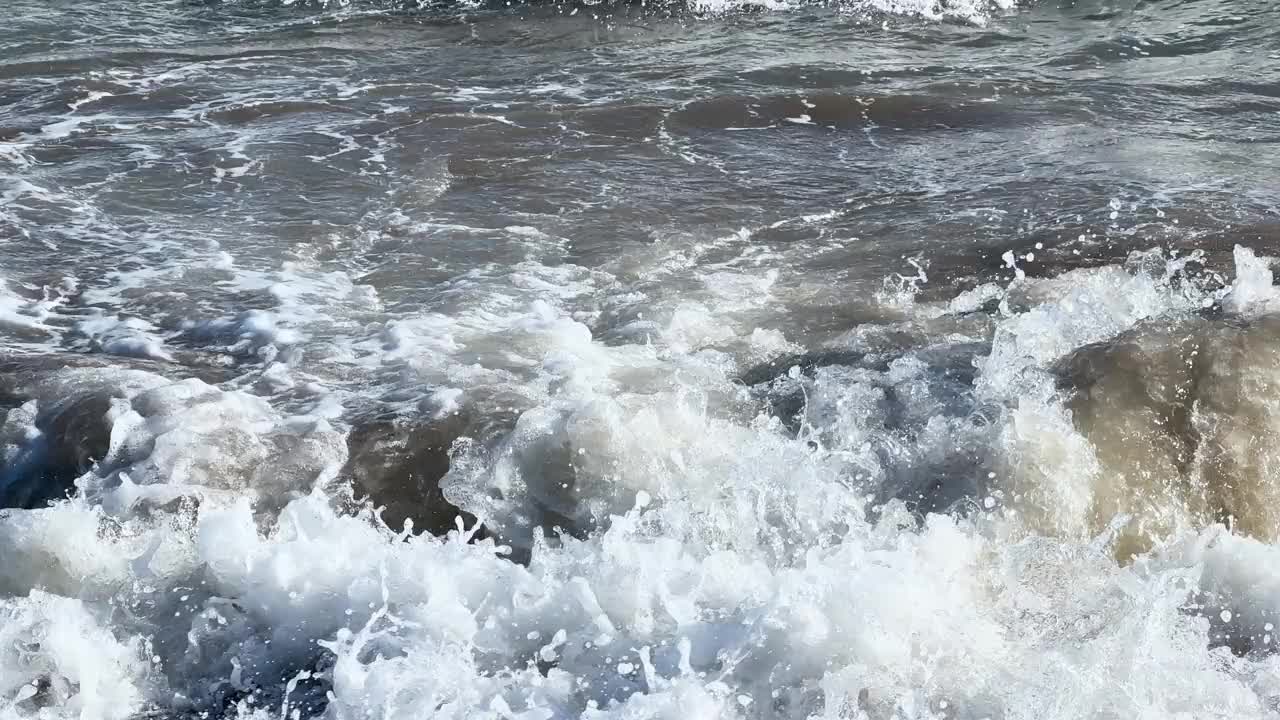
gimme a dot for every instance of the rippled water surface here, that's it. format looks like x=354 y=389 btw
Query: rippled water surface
x=885 y=359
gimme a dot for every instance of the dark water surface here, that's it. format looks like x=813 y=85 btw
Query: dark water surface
x=897 y=359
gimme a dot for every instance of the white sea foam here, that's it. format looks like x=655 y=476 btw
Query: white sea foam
x=132 y=337
x=27 y=314
x=978 y=12
x=729 y=569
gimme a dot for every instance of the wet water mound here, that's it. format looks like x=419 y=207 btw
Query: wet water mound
x=154 y=434
x=149 y=434
x=56 y=418
x=906 y=420
x=1182 y=420
x=397 y=464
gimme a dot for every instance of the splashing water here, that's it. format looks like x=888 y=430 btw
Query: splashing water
x=572 y=361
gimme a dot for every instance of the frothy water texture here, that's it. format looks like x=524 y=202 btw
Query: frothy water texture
x=909 y=359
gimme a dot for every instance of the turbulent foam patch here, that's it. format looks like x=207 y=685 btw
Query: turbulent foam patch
x=696 y=537
x=59 y=660
x=120 y=432
x=970 y=10
x=24 y=315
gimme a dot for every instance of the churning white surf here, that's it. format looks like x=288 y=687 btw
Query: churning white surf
x=735 y=569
